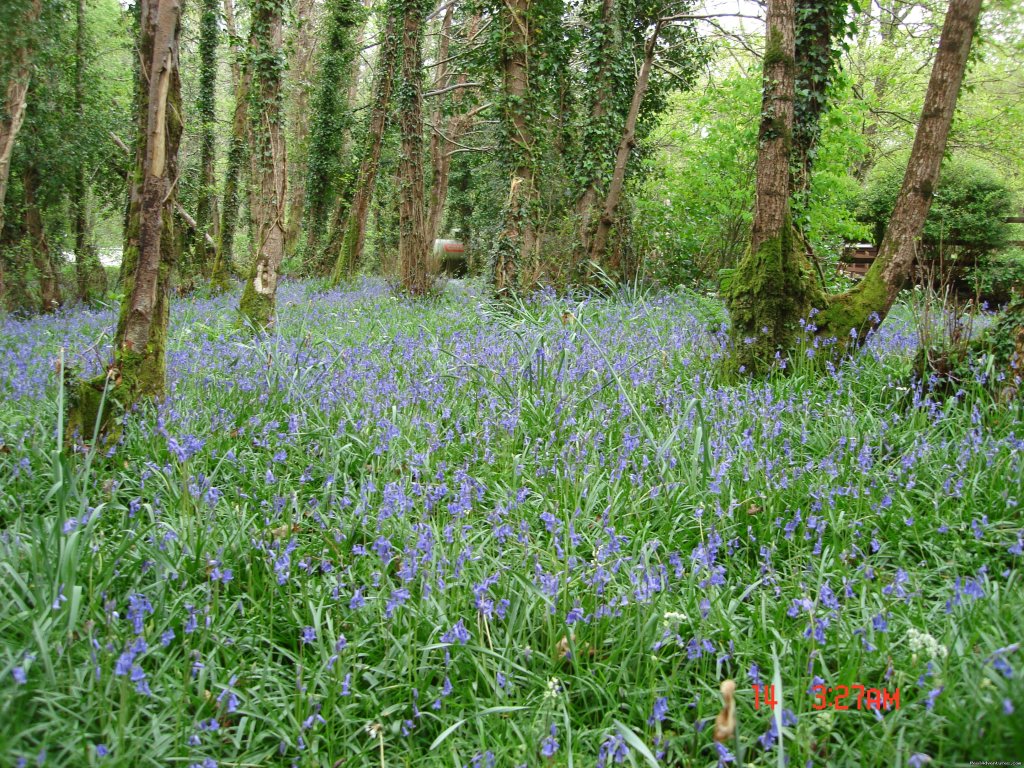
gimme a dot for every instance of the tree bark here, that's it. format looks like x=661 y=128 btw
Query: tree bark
x=42 y=259
x=139 y=366
x=269 y=165
x=302 y=68
x=14 y=109
x=412 y=236
x=614 y=194
x=349 y=230
x=772 y=287
x=870 y=301
x=89 y=273
x=515 y=248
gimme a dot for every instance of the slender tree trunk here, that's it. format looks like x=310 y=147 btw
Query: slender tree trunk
x=515 y=248
x=331 y=122
x=42 y=259
x=13 y=115
x=350 y=231
x=587 y=202
x=772 y=287
x=611 y=201
x=412 y=236
x=269 y=165
x=88 y=270
x=237 y=153
x=439 y=157
x=139 y=366
x=874 y=296
x=207 y=220
x=302 y=69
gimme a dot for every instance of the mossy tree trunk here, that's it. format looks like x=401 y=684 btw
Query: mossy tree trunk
x=348 y=231
x=850 y=315
x=412 y=232
x=138 y=369
x=772 y=287
x=269 y=164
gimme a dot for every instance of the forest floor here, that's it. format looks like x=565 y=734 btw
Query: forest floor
x=440 y=533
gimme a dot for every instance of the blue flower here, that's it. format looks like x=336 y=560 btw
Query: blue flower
x=457 y=634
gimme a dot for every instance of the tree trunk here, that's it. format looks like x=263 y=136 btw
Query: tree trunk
x=13 y=115
x=870 y=301
x=139 y=366
x=772 y=287
x=412 y=236
x=331 y=121
x=238 y=149
x=89 y=273
x=587 y=202
x=207 y=222
x=614 y=195
x=269 y=165
x=302 y=68
x=42 y=260
x=515 y=248
x=349 y=232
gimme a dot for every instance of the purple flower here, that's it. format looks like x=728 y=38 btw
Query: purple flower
x=659 y=711
x=918 y=759
x=457 y=634
x=18 y=673
x=549 y=746
x=308 y=635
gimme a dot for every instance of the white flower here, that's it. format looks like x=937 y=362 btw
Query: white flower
x=922 y=641
x=554 y=688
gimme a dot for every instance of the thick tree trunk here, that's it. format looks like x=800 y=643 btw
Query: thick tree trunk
x=349 y=232
x=207 y=221
x=853 y=312
x=269 y=165
x=614 y=194
x=139 y=367
x=42 y=259
x=515 y=248
x=13 y=115
x=773 y=287
x=302 y=69
x=412 y=236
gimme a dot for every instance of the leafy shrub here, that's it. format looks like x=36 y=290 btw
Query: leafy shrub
x=967 y=213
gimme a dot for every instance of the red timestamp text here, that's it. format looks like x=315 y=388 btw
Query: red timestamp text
x=840 y=697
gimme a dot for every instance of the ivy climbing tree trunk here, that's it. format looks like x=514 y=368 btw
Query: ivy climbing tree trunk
x=89 y=273
x=269 y=162
x=412 y=235
x=516 y=244
x=772 y=287
x=138 y=369
x=599 y=243
x=439 y=143
x=849 y=315
x=349 y=232
x=13 y=114
x=605 y=39
x=42 y=259
x=331 y=122
x=207 y=222
x=238 y=151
